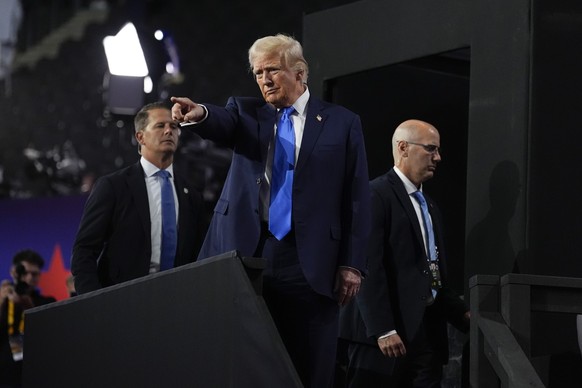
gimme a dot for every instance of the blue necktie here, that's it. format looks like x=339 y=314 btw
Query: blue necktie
x=169 y=230
x=282 y=176
x=431 y=247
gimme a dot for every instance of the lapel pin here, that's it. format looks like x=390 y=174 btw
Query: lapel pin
x=185 y=190
x=318 y=117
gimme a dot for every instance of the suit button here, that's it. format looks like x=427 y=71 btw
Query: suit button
x=259 y=180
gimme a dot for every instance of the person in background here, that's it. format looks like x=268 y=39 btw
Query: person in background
x=123 y=232
x=397 y=325
x=16 y=296
x=296 y=194
x=26 y=271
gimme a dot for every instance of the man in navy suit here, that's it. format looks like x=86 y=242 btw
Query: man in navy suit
x=119 y=237
x=397 y=324
x=317 y=265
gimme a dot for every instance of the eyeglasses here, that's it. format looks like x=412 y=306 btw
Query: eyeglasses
x=430 y=148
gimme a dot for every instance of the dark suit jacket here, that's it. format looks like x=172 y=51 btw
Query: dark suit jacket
x=113 y=243
x=394 y=295
x=330 y=190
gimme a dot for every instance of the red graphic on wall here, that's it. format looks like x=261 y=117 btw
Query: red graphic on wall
x=53 y=281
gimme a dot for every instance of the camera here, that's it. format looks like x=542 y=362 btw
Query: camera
x=21 y=286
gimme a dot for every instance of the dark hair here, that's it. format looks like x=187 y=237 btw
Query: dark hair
x=29 y=256
x=140 y=121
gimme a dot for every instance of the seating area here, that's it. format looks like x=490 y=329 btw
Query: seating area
x=56 y=135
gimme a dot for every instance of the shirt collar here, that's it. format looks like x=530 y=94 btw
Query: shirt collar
x=300 y=105
x=150 y=169
x=408 y=185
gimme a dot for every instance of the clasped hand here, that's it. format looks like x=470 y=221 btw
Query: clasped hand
x=392 y=346
x=347 y=285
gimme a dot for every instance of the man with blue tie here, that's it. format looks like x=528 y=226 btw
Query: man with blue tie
x=397 y=325
x=296 y=194
x=143 y=218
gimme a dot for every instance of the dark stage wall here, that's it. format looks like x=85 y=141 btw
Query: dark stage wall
x=509 y=130
x=500 y=80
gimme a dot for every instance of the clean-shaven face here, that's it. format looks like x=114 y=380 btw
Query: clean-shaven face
x=161 y=133
x=280 y=85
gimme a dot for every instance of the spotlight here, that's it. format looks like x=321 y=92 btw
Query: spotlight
x=127 y=78
x=124 y=53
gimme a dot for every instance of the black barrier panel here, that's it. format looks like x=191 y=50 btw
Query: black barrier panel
x=200 y=325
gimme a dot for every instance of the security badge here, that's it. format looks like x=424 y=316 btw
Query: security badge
x=433 y=266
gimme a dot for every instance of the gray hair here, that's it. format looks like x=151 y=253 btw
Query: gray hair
x=290 y=50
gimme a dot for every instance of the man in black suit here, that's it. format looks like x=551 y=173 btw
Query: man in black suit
x=120 y=235
x=397 y=325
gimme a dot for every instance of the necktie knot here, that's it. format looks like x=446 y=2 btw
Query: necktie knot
x=286 y=137
x=419 y=197
x=287 y=111
x=163 y=174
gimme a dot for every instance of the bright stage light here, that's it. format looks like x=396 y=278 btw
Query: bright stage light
x=125 y=56
x=148 y=85
x=128 y=77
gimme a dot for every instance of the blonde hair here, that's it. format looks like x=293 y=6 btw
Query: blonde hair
x=290 y=50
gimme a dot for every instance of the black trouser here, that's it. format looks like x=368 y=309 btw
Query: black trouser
x=420 y=368
x=306 y=320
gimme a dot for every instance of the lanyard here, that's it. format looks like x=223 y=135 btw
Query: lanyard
x=11 y=319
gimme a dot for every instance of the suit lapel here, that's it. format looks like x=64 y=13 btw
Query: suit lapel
x=182 y=192
x=404 y=199
x=314 y=122
x=436 y=223
x=267 y=115
x=137 y=187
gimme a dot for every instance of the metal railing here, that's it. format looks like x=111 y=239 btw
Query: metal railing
x=501 y=325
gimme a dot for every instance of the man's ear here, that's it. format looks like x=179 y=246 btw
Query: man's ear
x=299 y=75
x=139 y=137
x=403 y=148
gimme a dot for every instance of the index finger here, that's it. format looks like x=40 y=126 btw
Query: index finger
x=182 y=101
x=177 y=112
x=182 y=105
